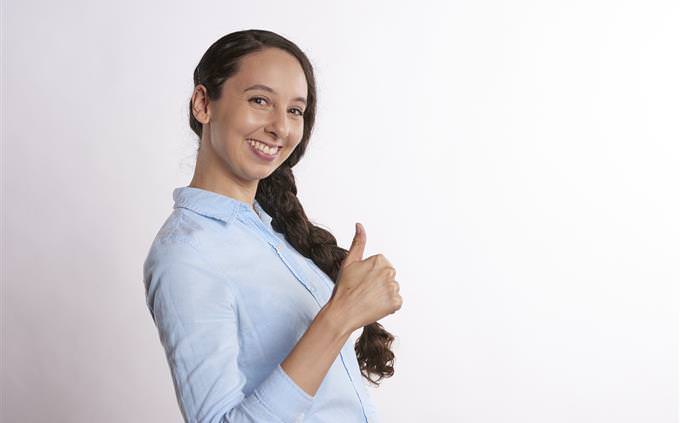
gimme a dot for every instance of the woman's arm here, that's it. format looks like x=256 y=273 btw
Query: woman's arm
x=196 y=315
x=315 y=352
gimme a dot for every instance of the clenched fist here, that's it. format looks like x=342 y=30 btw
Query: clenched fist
x=365 y=290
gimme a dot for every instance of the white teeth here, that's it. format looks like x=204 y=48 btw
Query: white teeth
x=263 y=147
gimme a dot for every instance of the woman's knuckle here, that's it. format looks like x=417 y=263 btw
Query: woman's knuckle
x=388 y=272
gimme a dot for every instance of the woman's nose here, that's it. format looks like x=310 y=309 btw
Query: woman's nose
x=279 y=124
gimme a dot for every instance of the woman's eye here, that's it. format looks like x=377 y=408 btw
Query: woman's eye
x=258 y=98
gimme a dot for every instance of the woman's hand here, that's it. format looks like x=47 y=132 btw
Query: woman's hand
x=365 y=290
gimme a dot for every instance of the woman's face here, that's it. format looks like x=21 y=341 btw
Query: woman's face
x=264 y=101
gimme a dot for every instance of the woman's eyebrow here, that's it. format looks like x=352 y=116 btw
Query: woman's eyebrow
x=266 y=88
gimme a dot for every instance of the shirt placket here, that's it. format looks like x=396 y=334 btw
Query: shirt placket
x=278 y=246
x=284 y=255
x=280 y=250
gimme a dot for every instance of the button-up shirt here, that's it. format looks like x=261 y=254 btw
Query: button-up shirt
x=231 y=298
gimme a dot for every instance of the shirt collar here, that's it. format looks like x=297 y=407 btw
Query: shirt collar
x=214 y=205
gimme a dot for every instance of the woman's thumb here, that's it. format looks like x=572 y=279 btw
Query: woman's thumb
x=356 y=250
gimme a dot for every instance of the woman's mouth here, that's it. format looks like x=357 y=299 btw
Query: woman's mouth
x=262 y=150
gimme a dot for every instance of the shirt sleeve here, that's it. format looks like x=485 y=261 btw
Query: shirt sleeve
x=196 y=316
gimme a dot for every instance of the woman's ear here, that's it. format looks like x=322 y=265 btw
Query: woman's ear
x=199 y=101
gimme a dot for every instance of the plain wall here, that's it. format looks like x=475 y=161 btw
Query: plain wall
x=517 y=161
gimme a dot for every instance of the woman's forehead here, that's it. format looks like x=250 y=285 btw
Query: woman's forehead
x=271 y=70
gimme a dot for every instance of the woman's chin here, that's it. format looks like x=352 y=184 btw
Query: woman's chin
x=262 y=173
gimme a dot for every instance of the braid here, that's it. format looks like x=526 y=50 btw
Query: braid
x=277 y=194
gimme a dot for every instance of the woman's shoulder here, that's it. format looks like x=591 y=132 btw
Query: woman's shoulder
x=188 y=234
x=182 y=251
x=185 y=227
x=179 y=237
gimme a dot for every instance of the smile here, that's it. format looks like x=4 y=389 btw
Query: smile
x=262 y=150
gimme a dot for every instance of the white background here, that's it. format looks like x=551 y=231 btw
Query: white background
x=518 y=163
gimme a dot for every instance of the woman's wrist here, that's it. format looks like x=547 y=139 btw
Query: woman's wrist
x=335 y=320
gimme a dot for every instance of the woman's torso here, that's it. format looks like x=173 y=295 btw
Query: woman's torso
x=278 y=293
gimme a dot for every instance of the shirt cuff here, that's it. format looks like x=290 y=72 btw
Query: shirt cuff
x=282 y=396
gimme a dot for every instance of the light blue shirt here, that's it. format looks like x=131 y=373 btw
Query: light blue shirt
x=231 y=298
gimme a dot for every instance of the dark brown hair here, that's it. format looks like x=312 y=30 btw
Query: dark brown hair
x=277 y=194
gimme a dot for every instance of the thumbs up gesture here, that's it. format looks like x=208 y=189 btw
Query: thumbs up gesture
x=365 y=290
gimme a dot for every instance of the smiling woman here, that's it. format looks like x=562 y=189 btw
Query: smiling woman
x=252 y=127
x=254 y=304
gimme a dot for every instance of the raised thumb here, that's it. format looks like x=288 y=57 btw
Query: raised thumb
x=356 y=250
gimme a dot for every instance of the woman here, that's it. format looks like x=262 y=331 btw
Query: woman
x=254 y=304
